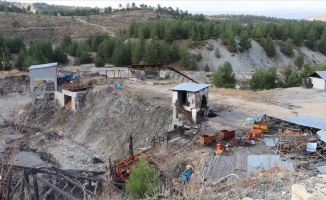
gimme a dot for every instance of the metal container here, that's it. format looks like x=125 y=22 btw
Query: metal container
x=207 y=139
x=226 y=134
x=261 y=126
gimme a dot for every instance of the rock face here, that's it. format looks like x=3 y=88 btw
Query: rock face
x=312 y=189
x=245 y=63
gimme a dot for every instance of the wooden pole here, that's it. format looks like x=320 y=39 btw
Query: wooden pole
x=35 y=188
x=55 y=188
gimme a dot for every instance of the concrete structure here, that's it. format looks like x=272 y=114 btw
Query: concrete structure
x=69 y=99
x=189 y=100
x=317 y=80
x=43 y=80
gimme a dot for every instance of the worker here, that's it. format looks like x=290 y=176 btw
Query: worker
x=186 y=175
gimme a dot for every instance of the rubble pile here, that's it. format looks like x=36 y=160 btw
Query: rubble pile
x=313 y=188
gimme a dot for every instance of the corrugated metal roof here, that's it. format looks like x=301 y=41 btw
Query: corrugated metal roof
x=307 y=121
x=43 y=66
x=322 y=135
x=322 y=74
x=190 y=87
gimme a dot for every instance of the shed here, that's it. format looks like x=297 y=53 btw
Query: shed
x=190 y=100
x=317 y=80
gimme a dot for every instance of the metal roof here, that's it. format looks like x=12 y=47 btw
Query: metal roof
x=43 y=66
x=190 y=87
x=307 y=121
x=322 y=74
x=322 y=135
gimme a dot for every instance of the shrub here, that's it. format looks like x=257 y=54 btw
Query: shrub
x=217 y=53
x=142 y=180
x=224 y=76
x=99 y=62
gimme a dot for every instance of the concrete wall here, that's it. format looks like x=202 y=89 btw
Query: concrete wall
x=60 y=97
x=318 y=83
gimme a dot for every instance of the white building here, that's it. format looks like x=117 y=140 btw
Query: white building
x=190 y=101
x=317 y=80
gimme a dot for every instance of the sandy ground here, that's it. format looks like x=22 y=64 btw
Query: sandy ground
x=11 y=103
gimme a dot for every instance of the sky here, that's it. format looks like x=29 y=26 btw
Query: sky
x=259 y=7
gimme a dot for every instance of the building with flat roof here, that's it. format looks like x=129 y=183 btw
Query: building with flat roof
x=189 y=101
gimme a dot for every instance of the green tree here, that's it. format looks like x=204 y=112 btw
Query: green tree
x=307 y=70
x=206 y=68
x=245 y=40
x=288 y=47
x=99 y=62
x=60 y=56
x=175 y=51
x=263 y=79
x=65 y=42
x=224 y=76
x=299 y=61
x=85 y=57
x=269 y=47
x=293 y=80
x=311 y=38
x=322 y=43
x=168 y=37
x=217 y=53
x=137 y=51
x=142 y=180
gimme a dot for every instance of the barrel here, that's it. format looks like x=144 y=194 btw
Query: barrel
x=219 y=147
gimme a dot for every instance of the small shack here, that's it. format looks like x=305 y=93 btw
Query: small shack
x=316 y=80
x=43 y=80
x=189 y=101
x=146 y=71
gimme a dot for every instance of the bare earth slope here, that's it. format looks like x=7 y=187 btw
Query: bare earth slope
x=245 y=63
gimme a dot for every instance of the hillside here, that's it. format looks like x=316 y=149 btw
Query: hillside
x=247 y=62
x=318 y=17
x=53 y=28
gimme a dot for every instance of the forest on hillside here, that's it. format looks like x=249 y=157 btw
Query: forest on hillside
x=156 y=41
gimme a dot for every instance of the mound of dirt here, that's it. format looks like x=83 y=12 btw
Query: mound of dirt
x=106 y=121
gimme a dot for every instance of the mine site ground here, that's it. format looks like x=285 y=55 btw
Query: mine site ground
x=70 y=151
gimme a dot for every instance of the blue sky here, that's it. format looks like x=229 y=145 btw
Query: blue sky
x=209 y=7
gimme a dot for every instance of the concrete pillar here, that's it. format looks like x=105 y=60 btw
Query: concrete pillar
x=205 y=111
x=194 y=115
x=174 y=117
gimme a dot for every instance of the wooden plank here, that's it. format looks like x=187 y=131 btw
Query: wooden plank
x=79 y=186
x=55 y=188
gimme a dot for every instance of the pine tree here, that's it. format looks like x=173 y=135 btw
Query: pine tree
x=288 y=47
x=224 y=76
x=299 y=61
x=322 y=43
x=245 y=40
x=269 y=47
x=311 y=38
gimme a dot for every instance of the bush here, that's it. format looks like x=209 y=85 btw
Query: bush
x=99 y=62
x=85 y=58
x=142 y=180
x=217 y=53
x=206 y=68
x=263 y=79
x=224 y=76
x=210 y=47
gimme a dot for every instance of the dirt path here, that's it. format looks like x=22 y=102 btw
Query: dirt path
x=105 y=29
